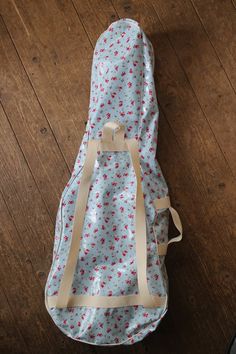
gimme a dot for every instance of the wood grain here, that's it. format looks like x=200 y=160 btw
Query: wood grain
x=203 y=70
x=219 y=21
x=11 y=340
x=46 y=53
x=30 y=125
x=55 y=52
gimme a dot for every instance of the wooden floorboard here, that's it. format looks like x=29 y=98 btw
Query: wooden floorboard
x=45 y=56
x=56 y=54
x=30 y=126
x=219 y=21
x=204 y=71
x=11 y=339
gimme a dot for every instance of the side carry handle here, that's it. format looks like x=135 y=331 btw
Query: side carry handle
x=164 y=203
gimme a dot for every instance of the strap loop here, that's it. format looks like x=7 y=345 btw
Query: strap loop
x=113 y=131
x=164 y=203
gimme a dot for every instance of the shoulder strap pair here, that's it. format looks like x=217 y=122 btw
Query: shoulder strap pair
x=113 y=139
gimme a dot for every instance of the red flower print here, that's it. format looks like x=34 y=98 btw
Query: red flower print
x=102 y=284
x=129 y=84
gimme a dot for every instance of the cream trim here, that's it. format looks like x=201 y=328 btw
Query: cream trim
x=108 y=301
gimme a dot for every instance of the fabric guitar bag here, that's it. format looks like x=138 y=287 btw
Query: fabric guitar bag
x=108 y=283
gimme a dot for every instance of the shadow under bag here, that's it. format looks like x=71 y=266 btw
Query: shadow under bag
x=108 y=284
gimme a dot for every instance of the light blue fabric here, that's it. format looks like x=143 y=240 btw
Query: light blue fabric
x=122 y=89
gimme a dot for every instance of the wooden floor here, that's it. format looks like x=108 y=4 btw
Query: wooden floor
x=45 y=57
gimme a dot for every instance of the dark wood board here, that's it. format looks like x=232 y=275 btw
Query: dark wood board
x=46 y=57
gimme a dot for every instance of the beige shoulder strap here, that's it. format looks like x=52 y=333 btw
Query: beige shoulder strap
x=112 y=140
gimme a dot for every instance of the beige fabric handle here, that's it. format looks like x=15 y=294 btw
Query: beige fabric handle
x=164 y=203
x=112 y=138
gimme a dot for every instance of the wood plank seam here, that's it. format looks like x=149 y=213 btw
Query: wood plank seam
x=36 y=96
x=15 y=317
x=216 y=53
x=194 y=93
x=27 y=163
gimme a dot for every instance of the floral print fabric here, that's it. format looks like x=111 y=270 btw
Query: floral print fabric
x=122 y=89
